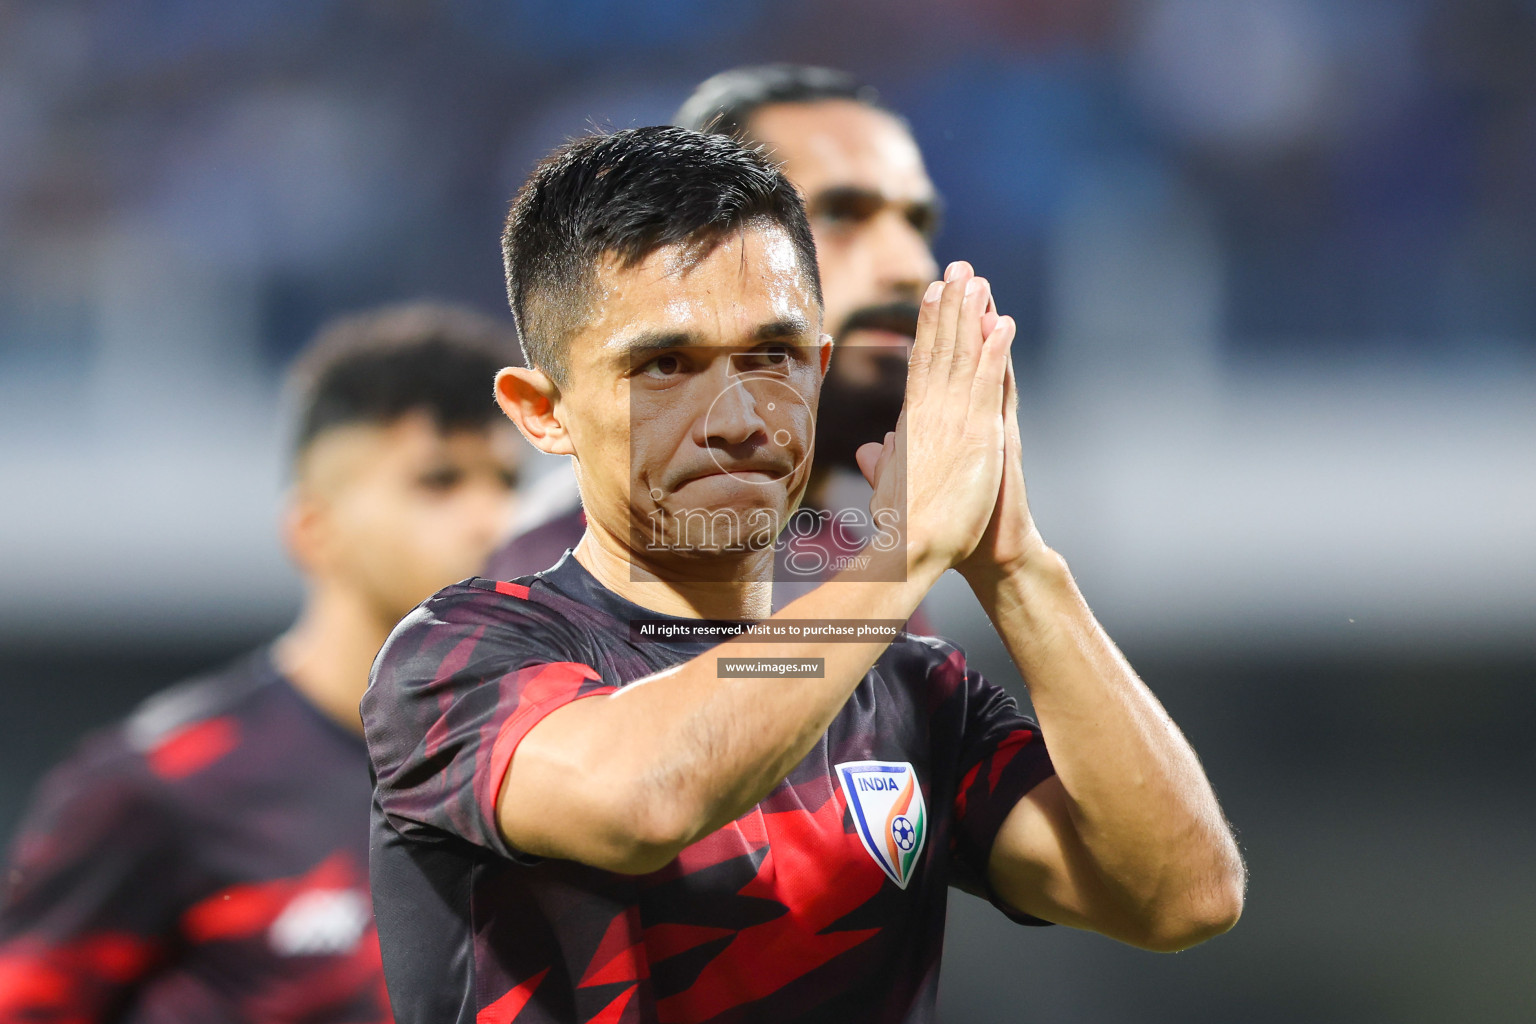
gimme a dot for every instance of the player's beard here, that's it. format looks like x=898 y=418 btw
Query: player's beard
x=850 y=415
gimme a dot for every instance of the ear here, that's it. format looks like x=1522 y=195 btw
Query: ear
x=303 y=530
x=826 y=353
x=531 y=400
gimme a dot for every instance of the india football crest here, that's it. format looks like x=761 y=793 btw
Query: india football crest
x=888 y=813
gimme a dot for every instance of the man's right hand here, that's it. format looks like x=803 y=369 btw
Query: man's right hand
x=947 y=450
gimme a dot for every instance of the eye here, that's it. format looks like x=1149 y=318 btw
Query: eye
x=664 y=366
x=769 y=358
x=776 y=356
x=509 y=478
x=924 y=218
x=847 y=209
x=440 y=479
x=840 y=216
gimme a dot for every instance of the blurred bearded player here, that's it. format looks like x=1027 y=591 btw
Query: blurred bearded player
x=873 y=213
x=573 y=823
x=206 y=860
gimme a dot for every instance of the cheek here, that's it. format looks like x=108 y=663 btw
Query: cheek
x=431 y=544
x=600 y=430
x=656 y=434
x=844 y=288
x=361 y=528
x=659 y=426
x=389 y=526
x=838 y=251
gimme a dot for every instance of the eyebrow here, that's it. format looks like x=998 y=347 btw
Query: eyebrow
x=649 y=342
x=847 y=195
x=785 y=327
x=859 y=193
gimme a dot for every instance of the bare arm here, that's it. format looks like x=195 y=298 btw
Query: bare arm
x=1128 y=838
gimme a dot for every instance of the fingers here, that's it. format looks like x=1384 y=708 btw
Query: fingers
x=868 y=458
x=989 y=316
x=921 y=358
x=956 y=277
x=969 y=336
x=988 y=387
x=1011 y=394
x=963 y=343
x=874 y=459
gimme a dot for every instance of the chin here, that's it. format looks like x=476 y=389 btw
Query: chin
x=719 y=530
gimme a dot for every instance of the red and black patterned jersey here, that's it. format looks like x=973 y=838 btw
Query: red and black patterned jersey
x=826 y=902
x=206 y=860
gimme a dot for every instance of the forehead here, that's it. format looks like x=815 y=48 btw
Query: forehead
x=751 y=278
x=840 y=143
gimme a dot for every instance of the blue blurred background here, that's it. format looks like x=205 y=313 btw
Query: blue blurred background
x=1274 y=262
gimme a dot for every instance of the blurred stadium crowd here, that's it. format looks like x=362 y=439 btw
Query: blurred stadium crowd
x=1359 y=171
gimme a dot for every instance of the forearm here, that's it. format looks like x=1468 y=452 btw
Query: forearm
x=1136 y=793
x=718 y=744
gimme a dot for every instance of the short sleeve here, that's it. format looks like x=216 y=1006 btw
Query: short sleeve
x=453 y=692
x=1003 y=757
x=92 y=892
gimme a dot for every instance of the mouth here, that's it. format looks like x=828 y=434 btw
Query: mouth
x=756 y=476
x=746 y=473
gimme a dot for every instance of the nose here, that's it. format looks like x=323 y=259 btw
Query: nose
x=904 y=262
x=733 y=417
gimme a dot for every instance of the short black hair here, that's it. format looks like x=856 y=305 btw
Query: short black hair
x=724 y=104
x=373 y=368
x=625 y=195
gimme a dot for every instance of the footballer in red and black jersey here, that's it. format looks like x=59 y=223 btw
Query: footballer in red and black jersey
x=206 y=860
x=826 y=902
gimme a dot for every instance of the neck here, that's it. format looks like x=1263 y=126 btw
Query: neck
x=327 y=653
x=742 y=589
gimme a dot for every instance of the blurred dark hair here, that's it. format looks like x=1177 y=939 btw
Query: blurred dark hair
x=626 y=195
x=724 y=103
x=373 y=368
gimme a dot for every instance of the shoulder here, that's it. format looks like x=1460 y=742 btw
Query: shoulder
x=479 y=616
x=102 y=775
x=469 y=633
x=125 y=779
x=174 y=733
x=915 y=656
x=185 y=728
x=931 y=672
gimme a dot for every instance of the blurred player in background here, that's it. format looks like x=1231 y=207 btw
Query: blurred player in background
x=207 y=859
x=873 y=213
